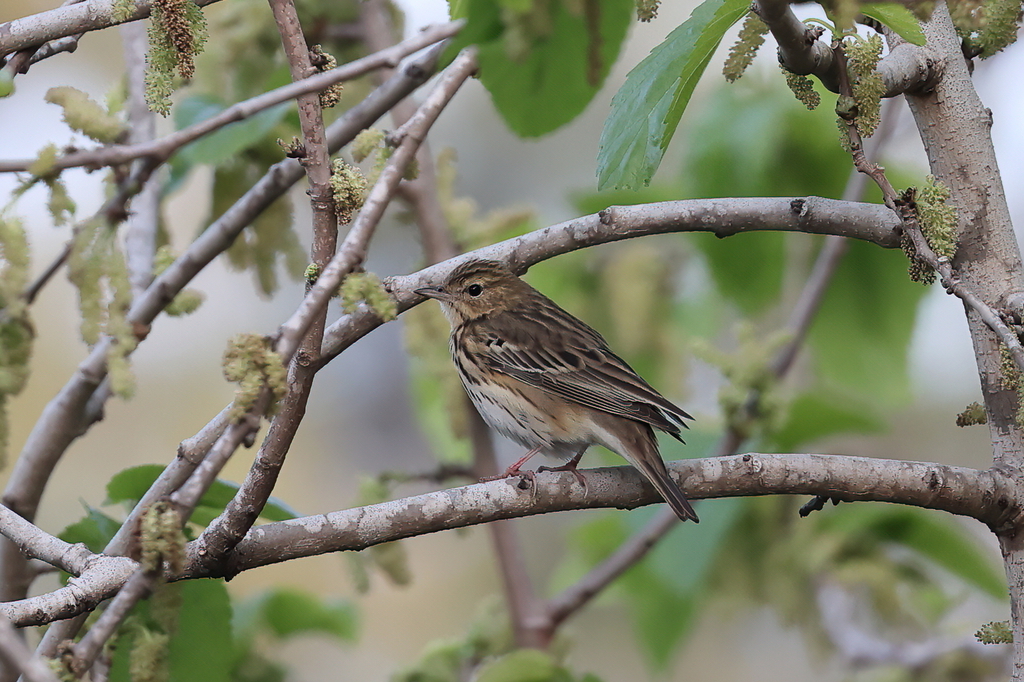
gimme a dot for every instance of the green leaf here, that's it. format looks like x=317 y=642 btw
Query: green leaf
x=862 y=333
x=229 y=141
x=822 y=412
x=129 y=485
x=648 y=106
x=523 y=665
x=933 y=535
x=201 y=647
x=285 y=612
x=542 y=63
x=94 y=530
x=748 y=271
x=684 y=557
x=897 y=17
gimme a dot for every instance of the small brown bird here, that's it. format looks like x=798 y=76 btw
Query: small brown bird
x=548 y=381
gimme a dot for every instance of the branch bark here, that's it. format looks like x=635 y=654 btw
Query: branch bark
x=990 y=496
x=907 y=68
x=955 y=128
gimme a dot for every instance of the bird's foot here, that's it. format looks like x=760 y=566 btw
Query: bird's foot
x=527 y=478
x=571 y=468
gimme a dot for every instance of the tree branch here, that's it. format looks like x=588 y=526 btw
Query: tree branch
x=722 y=217
x=36 y=29
x=62 y=419
x=907 y=68
x=32 y=541
x=19 y=658
x=990 y=496
x=163 y=148
x=143 y=222
x=353 y=249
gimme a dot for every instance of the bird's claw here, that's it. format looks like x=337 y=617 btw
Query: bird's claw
x=571 y=469
x=526 y=478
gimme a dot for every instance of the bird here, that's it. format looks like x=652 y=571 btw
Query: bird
x=548 y=381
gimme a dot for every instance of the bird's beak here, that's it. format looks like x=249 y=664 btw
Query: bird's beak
x=432 y=292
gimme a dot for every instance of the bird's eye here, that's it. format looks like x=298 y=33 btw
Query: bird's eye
x=474 y=290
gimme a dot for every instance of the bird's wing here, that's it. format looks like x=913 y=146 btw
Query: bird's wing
x=570 y=360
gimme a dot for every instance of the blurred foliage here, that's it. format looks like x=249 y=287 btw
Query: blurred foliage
x=97 y=268
x=986 y=26
x=85 y=116
x=542 y=61
x=16 y=331
x=487 y=654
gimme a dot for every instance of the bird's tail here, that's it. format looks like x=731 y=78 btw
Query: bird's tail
x=644 y=456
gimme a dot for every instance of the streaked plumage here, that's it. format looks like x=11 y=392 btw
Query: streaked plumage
x=548 y=381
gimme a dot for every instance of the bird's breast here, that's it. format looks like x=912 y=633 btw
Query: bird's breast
x=518 y=411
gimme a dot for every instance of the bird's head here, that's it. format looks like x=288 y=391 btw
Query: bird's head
x=476 y=289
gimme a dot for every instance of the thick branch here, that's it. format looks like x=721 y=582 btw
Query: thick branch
x=721 y=217
x=907 y=68
x=989 y=496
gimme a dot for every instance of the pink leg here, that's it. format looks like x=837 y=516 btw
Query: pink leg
x=570 y=466
x=514 y=469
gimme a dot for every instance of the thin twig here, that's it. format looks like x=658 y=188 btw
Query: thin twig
x=143 y=223
x=162 y=148
x=353 y=248
x=32 y=541
x=29 y=295
x=85 y=651
x=912 y=229
x=16 y=654
x=242 y=511
x=225 y=531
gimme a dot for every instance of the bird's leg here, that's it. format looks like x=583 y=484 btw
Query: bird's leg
x=514 y=469
x=570 y=466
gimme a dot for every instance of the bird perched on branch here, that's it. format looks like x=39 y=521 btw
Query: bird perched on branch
x=548 y=381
